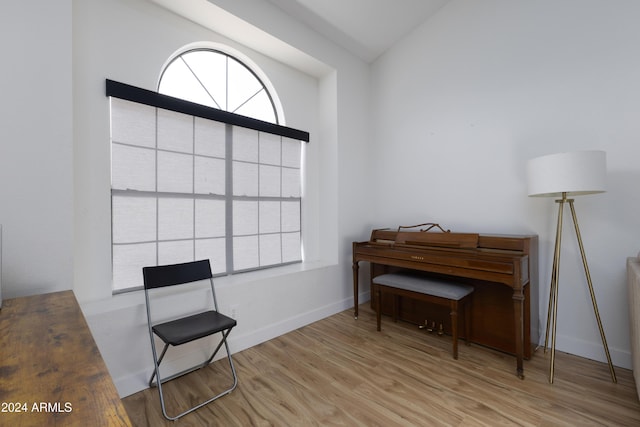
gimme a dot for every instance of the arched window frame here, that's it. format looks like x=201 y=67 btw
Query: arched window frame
x=241 y=58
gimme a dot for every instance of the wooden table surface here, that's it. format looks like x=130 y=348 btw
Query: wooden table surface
x=51 y=371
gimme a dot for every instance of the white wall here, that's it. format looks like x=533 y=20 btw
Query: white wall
x=463 y=102
x=36 y=170
x=128 y=41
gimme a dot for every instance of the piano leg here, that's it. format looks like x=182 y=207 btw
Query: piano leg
x=518 y=310
x=355 y=289
x=378 y=292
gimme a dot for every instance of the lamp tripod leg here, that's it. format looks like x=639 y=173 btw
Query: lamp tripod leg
x=554 y=276
x=549 y=311
x=553 y=291
x=593 y=296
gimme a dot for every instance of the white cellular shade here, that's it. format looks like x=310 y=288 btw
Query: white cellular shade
x=209 y=176
x=245 y=179
x=291 y=247
x=270 y=249
x=128 y=261
x=134 y=168
x=174 y=252
x=269 y=217
x=245 y=218
x=270 y=149
x=210 y=218
x=171 y=199
x=175 y=131
x=210 y=138
x=175 y=218
x=175 y=172
x=245 y=144
x=574 y=173
x=133 y=123
x=270 y=181
x=290 y=182
x=291 y=153
x=245 y=253
x=133 y=219
x=215 y=250
x=290 y=216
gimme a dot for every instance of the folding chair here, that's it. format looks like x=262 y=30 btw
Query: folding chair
x=186 y=329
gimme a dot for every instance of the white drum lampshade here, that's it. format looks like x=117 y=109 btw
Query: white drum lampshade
x=575 y=173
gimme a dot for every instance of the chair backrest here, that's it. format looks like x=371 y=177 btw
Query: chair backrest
x=176 y=274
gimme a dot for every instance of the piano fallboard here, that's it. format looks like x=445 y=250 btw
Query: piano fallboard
x=484 y=265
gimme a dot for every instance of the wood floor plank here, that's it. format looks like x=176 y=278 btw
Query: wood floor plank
x=340 y=371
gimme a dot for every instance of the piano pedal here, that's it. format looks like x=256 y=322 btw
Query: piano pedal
x=440 y=330
x=426 y=326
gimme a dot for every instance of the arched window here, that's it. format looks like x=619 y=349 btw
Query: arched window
x=191 y=182
x=217 y=79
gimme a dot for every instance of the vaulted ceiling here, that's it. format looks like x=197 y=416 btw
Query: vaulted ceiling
x=366 y=28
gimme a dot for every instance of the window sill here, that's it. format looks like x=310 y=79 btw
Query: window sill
x=132 y=299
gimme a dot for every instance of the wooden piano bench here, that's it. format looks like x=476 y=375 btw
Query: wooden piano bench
x=435 y=291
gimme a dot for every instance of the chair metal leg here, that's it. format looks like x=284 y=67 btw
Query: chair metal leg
x=164 y=350
x=222 y=341
x=161 y=380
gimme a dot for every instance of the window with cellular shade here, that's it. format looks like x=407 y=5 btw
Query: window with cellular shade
x=192 y=182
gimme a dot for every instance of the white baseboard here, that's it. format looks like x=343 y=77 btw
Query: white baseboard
x=590 y=350
x=137 y=381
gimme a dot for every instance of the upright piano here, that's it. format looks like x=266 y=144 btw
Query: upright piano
x=501 y=268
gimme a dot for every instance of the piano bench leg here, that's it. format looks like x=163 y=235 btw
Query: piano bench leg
x=454 y=327
x=467 y=320
x=396 y=308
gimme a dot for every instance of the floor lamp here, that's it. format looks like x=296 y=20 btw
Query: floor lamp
x=560 y=175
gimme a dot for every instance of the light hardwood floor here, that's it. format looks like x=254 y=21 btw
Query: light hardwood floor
x=340 y=371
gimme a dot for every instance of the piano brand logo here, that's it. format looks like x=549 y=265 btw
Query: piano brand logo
x=419 y=258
